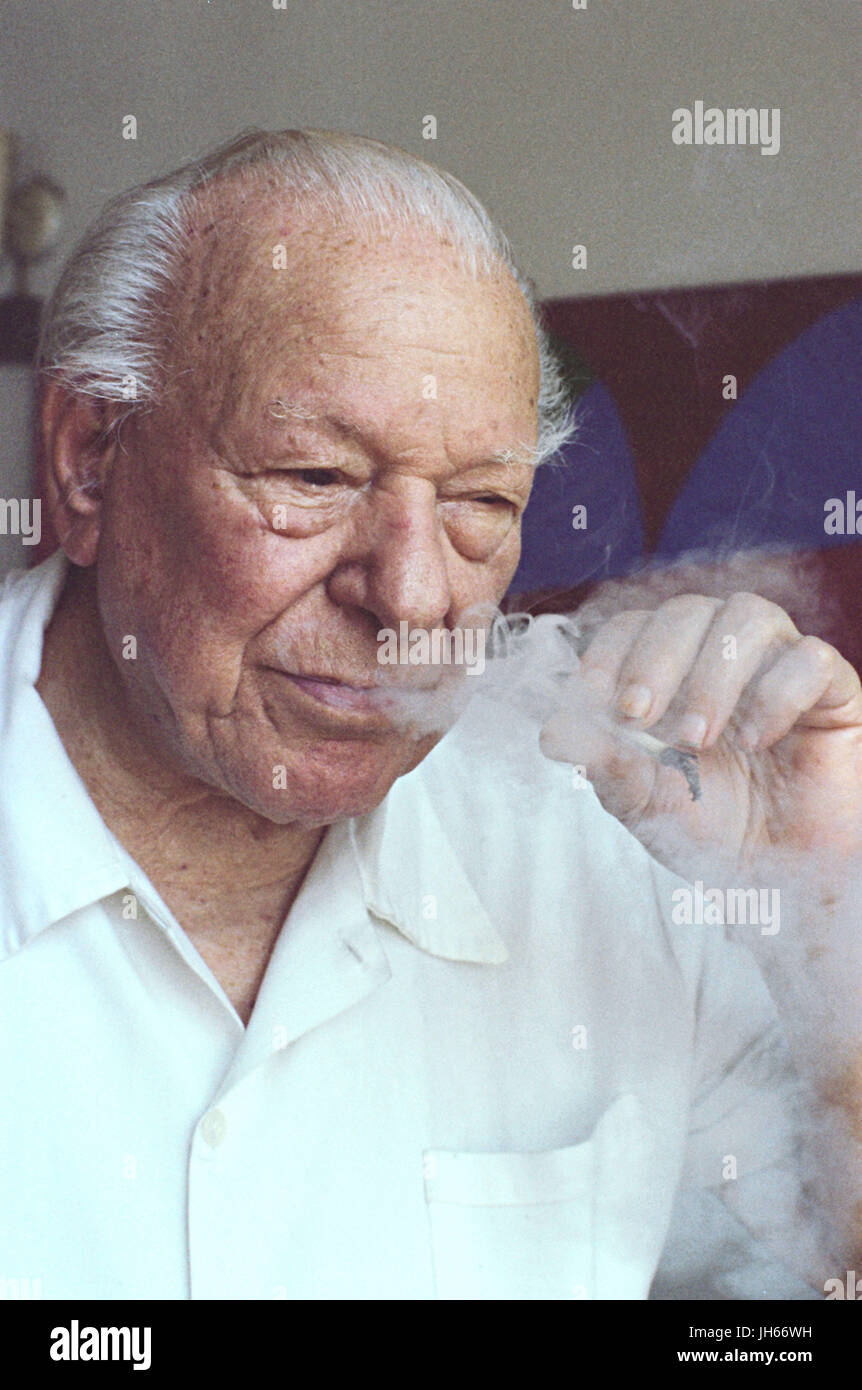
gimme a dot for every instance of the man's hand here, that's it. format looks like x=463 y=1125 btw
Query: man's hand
x=775 y=717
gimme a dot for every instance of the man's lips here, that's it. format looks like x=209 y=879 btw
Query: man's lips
x=360 y=694
x=339 y=694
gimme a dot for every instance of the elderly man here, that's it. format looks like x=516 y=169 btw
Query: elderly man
x=298 y=998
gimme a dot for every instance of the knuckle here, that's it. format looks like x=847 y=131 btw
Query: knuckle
x=817 y=652
x=688 y=605
x=753 y=610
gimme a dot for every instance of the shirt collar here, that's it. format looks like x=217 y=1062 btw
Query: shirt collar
x=58 y=856
x=413 y=879
x=56 y=853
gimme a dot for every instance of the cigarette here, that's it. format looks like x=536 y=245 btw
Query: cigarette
x=683 y=759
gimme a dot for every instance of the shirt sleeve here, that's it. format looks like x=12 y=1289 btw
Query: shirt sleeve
x=742 y=1225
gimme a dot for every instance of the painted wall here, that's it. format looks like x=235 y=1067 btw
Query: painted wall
x=559 y=119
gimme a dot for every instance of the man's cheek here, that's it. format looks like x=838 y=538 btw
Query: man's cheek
x=489 y=587
x=233 y=569
x=195 y=675
x=167 y=628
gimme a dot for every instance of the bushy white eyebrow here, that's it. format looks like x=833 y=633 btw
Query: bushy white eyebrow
x=524 y=455
x=287 y=410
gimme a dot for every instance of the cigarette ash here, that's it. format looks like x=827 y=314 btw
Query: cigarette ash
x=531 y=660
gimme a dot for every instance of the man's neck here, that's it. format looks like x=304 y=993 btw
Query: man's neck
x=228 y=874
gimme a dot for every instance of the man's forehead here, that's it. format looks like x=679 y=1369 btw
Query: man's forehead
x=249 y=334
x=256 y=263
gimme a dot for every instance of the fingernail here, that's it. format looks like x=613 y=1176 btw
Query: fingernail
x=692 y=730
x=635 y=701
x=749 y=736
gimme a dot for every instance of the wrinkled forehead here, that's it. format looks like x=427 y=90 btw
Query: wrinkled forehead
x=265 y=284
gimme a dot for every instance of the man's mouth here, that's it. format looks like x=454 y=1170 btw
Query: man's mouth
x=365 y=702
x=339 y=694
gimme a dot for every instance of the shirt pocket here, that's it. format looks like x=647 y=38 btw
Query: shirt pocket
x=559 y=1224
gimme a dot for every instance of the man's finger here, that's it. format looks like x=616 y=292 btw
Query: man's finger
x=744 y=636
x=607 y=650
x=660 y=656
x=810 y=683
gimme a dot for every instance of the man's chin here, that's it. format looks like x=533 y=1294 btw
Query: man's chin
x=332 y=783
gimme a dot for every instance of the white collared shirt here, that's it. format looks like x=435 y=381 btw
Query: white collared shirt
x=482 y=1063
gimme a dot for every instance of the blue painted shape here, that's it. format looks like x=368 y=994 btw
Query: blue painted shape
x=596 y=471
x=791 y=441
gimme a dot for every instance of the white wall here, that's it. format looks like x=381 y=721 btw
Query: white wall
x=559 y=119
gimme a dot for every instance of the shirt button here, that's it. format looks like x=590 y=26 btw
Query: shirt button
x=213 y=1128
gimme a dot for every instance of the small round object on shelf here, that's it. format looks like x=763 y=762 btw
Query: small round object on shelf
x=34 y=219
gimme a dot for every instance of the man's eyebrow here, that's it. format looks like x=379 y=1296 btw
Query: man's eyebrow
x=280 y=409
x=287 y=411
x=524 y=455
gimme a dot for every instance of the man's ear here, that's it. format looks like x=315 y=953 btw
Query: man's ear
x=77 y=449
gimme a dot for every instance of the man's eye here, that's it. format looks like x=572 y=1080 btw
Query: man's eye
x=494 y=503
x=317 y=477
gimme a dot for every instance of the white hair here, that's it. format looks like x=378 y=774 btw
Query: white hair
x=103 y=329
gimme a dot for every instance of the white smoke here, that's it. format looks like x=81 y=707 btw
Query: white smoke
x=812 y=964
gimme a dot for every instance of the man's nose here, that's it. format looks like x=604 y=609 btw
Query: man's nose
x=397 y=567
